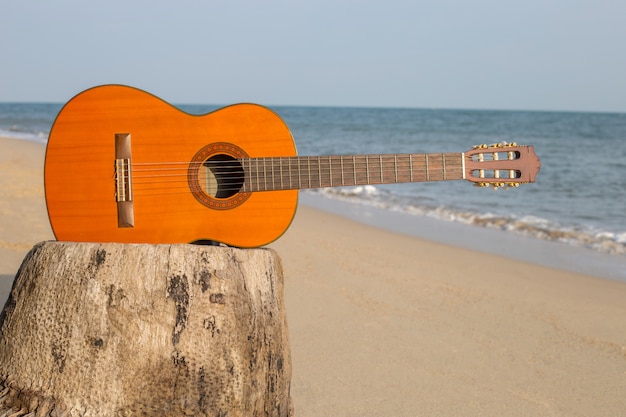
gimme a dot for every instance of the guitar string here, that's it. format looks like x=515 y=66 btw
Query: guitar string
x=241 y=183
x=184 y=188
x=349 y=172
x=371 y=159
x=270 y=164
x=355 y=173
x=322 y=158
x=387 y=172
x=278 y=169
x=357 y=170
x=273 y=184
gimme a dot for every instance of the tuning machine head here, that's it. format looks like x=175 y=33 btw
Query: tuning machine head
x=503 y=144
x=497 y=185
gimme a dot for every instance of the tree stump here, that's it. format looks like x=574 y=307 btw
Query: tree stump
x=145 y=330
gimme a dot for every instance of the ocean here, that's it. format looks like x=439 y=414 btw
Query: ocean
x=579 y=198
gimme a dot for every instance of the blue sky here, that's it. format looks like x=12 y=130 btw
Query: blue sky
x=484 y=54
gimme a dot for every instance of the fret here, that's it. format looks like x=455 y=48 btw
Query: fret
x=290 y=173
x=259 y=178
x=245 y=177
x=405 y=173
x=264 y=174
x=299 y=173
x=272 y=179
x=276 y=182
x=309 y=168
x=319 y=173
x=283 y=164
x=330 y=170
x=313 y=175
x=258 y=184
x=395 y=166
x=342 y=178
x=251 y=171
x=389 y=167
x=250 y=174
x=362 y=170
x=296 y=173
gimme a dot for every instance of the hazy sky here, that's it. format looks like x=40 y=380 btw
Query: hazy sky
x=484 y=54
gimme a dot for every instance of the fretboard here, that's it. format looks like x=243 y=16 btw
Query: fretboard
x=299 y=172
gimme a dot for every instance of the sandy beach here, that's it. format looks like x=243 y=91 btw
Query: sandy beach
x=383 y=324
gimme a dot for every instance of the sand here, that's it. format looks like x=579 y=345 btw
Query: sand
x=383 y=324
x=23 y=216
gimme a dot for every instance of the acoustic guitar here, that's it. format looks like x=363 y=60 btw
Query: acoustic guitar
x=125 y=166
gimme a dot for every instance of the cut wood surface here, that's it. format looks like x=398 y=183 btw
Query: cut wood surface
x=154 y=330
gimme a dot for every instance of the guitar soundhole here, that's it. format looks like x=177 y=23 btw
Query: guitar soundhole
x=221 y=176
x=216 y=176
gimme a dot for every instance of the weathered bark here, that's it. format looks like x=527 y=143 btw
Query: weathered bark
x=149 y=330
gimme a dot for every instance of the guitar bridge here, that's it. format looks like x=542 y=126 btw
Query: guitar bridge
x=123 y=181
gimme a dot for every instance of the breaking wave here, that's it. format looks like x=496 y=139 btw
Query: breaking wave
x=530 y=226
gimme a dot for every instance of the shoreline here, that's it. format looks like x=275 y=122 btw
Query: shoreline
x=23 y=214
x=386 y=323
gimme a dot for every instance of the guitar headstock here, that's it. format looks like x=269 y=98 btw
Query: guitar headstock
x=501 y=165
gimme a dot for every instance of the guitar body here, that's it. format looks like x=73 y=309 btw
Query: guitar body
x=82 y=193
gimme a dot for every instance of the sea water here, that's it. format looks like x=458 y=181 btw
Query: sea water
x=579 y=198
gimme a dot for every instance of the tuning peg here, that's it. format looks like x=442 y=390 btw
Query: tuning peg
x=504 y=186
x=503 y=144
x=497 y=185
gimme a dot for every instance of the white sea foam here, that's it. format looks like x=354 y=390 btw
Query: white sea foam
x=41 y=137
x=528 y=225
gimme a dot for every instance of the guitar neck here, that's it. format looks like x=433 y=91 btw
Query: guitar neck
x=301 y=172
